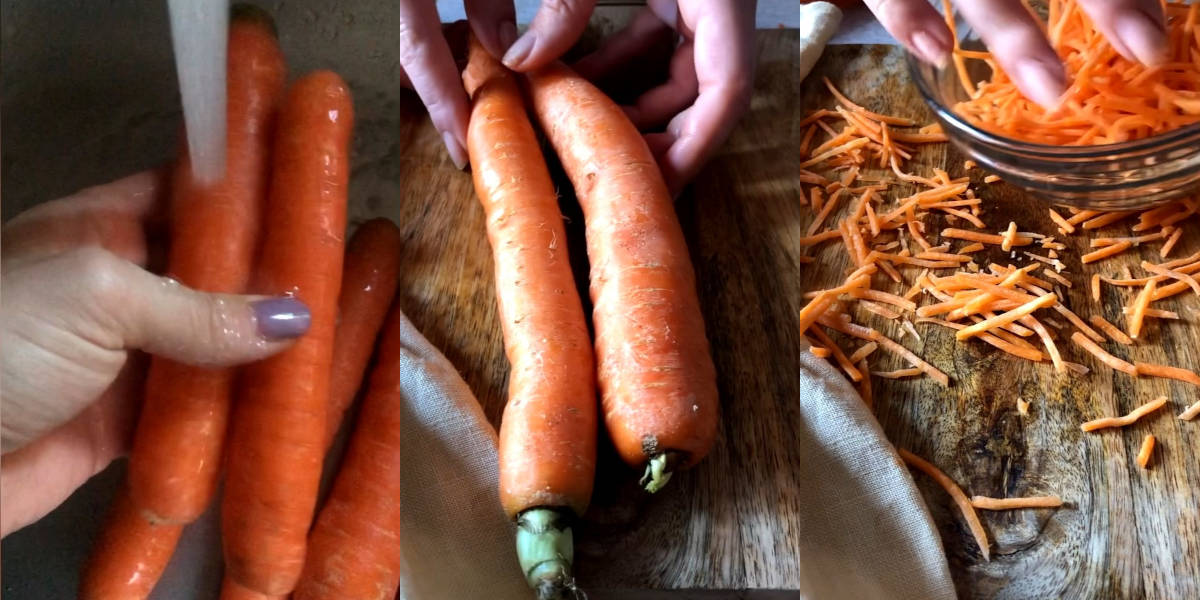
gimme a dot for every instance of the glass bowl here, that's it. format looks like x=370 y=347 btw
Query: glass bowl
x=1125 y=176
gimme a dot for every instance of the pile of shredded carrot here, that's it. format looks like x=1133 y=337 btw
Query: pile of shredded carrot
x=909 y=272
x=1110 y=99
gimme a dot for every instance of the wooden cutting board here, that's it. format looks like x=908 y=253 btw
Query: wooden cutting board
x=1124 y=533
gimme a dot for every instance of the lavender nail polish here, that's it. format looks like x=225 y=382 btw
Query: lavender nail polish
x=279 y=318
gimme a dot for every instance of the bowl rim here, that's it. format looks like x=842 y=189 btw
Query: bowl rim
x=1151 y=144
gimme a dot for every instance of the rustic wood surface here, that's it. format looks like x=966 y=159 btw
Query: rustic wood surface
x=1124 y=533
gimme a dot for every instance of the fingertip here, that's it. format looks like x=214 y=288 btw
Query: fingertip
x=1041 y=82
x=518 y=52
x=455 y=148
x=281 y=318
x=1143 y=37
x=932 y=45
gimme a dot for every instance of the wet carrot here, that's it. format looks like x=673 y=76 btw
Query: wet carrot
x=548 y=430
x=231 y=590
x=656 y=377
x=354 y=548
x=369 y=279
x=277 y=440
x=176 y=456
x=130 y=555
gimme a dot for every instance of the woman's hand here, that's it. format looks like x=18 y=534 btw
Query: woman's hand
x=76 y=304
x=707 y=91
x=1135 y=28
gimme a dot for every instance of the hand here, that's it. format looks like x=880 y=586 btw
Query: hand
x=76 y=304
x=429 y=65
x=710 y=81
x=1135 y=28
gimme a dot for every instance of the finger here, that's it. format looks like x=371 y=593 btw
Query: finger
x=114 y=216
x=724 y=59
x=117 y=305
x=622 y=47
x=494 y=23
x=660 y=103
x=917 y=25
x=1016 y=40
x=1135 y=28
x=426 y=59
x=556 y=26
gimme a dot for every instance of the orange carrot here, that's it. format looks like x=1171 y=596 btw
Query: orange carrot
x=1144 y=453
x=176 y=455
x=1087 y=344
x=657 y=380
x=1128 y=419
x=129 y=556
x=1191 y=412
x=277 y=441
x=960 y=499
x=548 y=431
x=231 y=590
x=985 y=503
x=1110 y=330
x=369 y=278
x=1137 y=313
x=1165 y=371
x=354 y=550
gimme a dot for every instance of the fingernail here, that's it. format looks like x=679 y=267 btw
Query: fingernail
x=457 y=153
x=281 y=318
x=1145 y=39
x=1042 y=83
x=519 y=50
x=932 y=50
x=507 y=33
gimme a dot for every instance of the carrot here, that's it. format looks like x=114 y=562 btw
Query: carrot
x=960 y=499
x=369 y=278
x=656 y=377
x=1191 y=412
x=986 y=238
x=231 y=590
x=1008 y=317
x=1087 y=344
x=277 y=441
x=1110 y=330
x=1022 y=408
x=1128 y=419
x=1175 y=373
x=130 y=554
x=985 y=503
x=1137 y=312
x=1105 y=252
x=1144 y=453
x=354 y=550
x=548 y=431
x=176 y=455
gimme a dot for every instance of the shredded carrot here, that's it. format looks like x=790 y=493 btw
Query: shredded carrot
x=1143 y=455
x=1191 y=412
x=840 y=357
x=1110 y=330
x=1096 y=287
x=991 y=179
x=1063 y=226
x=1087 y=344
x=971 y=248
x=960 y=499
x=1165 y=371
x=984 y=238
x=1008 y=317
x=1023 y=407
x=1171 y=241
x=879 y=309
x=985 y=503
x=1137 y=313
x=1128 y=419
x=863 y=352
x=1173 y=274
x=968 y=165
x=1059 y=278
x=820 y=351
x=899 y=373
x=1105 y=252
x=864 y=386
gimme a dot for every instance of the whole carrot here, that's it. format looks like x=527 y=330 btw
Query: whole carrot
x=354 y=550
x=548 y=432
x=277 y=440
x=129 y=556
x=656 y=377
x=231 y=590
x=369 y=281
x=176 y=456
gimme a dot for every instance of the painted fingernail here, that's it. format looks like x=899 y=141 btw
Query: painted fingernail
x=933 y=50
x=1043 y=83
x=281 y=318
x=457 y=153
x=507 y=32
x=1145 y=38
x=519 y=50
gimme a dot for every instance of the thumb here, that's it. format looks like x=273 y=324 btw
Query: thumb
x=132 y=308
x=553 y=30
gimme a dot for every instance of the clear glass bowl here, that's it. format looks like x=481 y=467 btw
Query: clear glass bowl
x=1125 y=176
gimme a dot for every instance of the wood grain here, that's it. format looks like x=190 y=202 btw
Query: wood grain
x=728 y=525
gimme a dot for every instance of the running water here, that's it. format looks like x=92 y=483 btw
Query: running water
x=200 y=35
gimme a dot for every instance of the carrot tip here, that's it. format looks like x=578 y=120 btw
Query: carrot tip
x=249 y=13
x=546 y=549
